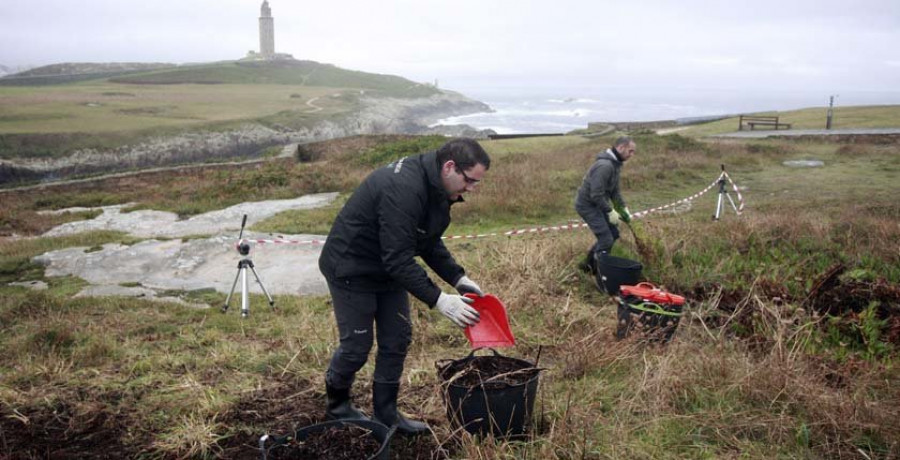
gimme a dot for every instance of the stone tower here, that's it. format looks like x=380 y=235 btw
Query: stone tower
x=266 y=32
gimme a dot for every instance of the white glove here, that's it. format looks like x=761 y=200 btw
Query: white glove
x=456 y=307
x=613 y=217
x=465 y=286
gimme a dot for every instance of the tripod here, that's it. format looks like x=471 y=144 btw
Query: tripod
x=243 y=265
x=723 y=193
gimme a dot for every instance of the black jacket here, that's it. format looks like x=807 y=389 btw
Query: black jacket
x=600 y=187
x=400 y=211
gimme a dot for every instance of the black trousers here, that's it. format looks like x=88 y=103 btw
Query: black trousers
x=356 y=314
x=598 y=221
x=598 y=247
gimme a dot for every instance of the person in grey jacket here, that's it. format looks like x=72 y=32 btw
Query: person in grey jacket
x=599 y=196
x=399 y=212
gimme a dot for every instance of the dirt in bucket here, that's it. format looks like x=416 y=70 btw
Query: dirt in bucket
x=489 y=372
x=349 y=442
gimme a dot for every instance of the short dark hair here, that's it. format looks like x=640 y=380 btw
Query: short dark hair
x=623 y=140
x=465 y=152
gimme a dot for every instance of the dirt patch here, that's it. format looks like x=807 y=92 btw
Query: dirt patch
x=286 y=406
x=276 y=409
x=834 y=293
x=346 y=443
x=420 y=448
x=843 y=296
x=83 y=424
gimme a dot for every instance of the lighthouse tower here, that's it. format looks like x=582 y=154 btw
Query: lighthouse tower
x=266 y=32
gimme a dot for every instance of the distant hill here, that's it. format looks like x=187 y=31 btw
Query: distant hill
x=70 y=72
x=281 y=72
x=5 y=70
x=77 y=68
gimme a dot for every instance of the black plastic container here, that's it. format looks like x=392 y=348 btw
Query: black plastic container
x=501 y=409
x=613 y=272
x=381 y=433
x=650 y=321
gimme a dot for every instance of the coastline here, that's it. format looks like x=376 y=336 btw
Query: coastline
x=521 y=108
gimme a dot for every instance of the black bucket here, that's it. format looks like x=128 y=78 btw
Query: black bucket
x=613 y=272
x=649 y=321
x=268 y=444
x=497 y=408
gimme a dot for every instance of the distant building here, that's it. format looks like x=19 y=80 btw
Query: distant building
x=266 y=37
x=266 y=32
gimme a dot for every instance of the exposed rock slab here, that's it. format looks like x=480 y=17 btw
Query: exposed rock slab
x=143 y=269
x=210 y=263
x=160 y=224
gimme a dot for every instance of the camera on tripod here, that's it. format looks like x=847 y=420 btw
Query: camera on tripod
x=723 y=192
x=243 y=248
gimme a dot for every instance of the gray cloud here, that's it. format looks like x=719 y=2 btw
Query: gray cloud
x=789 y=44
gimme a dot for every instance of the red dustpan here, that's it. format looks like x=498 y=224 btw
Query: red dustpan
x=493 y=329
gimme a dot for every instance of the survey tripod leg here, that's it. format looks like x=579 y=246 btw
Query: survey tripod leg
x=243 y=265
x=228 y=299
x=259 y=281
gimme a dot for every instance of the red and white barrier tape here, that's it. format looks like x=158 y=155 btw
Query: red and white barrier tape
x=569 y=226
x=736 y=192
x=641 y=214
x=281 y=241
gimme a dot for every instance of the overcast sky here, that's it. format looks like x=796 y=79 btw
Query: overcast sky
x=813 y=45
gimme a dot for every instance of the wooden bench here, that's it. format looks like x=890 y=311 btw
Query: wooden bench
x=757 y=120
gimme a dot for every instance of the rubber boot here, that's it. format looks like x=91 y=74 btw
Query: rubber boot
x=340 y=406
x=384 y=400
x=587 y=265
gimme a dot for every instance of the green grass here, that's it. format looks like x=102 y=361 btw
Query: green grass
x=305 y=221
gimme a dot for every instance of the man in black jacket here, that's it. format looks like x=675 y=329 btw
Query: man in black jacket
x=599 y=196
x=400 y=211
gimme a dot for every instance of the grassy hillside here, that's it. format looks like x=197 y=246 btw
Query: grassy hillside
x=101 y=107
x=773 y=359
x=57 y=120
x=71 y=72
x=287 y=72
x=103 y=114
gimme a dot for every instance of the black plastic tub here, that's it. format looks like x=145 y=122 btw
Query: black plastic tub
x=269 y=444
x=613 y=272
x=498 y=408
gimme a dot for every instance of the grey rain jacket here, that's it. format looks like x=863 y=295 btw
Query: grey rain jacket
x=598 y=191
x=400 y=211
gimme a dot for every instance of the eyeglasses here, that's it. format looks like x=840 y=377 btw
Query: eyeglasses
x=468 y=179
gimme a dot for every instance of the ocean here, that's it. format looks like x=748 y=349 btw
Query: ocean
x=542 y=110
